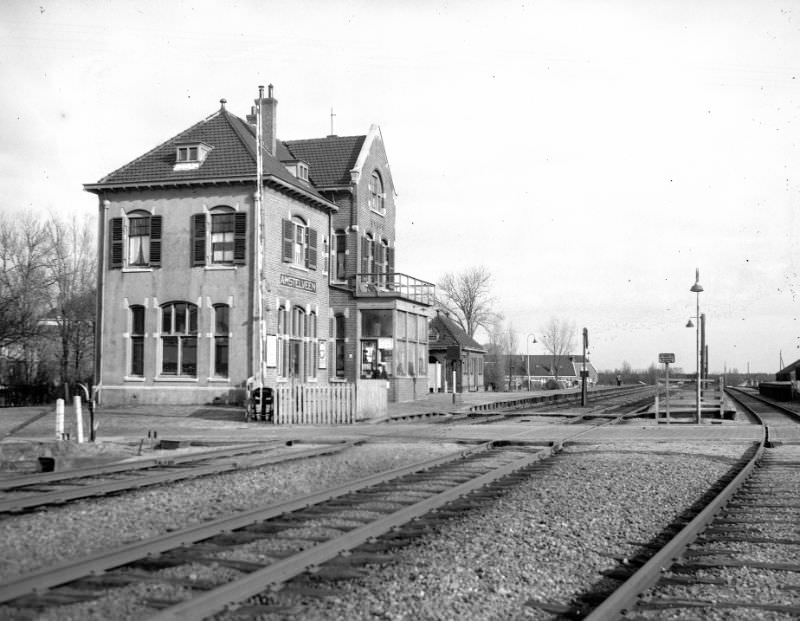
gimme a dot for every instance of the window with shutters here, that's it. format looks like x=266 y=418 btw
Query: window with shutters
x=299 y=243
x=221 y=339
x=376 y=195
x=179 y=339
x=219 y=237
x=135 y=241
x=137 y=341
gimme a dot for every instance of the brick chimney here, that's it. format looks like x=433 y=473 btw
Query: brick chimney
x=269 y=121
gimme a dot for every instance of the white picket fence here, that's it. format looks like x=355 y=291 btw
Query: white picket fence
x=306 y=404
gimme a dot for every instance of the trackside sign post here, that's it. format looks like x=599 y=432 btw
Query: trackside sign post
x=666 y=359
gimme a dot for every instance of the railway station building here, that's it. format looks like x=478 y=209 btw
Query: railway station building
x=206 y=279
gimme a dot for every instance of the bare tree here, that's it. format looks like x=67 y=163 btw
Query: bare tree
x=558 y=338
x=24 y=279
x=73 y=267
x=501 y=347
x=467 y=296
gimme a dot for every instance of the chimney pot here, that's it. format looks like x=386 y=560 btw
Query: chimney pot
x=268 y=120
x=222 y=102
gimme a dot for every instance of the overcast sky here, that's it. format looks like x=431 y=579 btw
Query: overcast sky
x=590 y=154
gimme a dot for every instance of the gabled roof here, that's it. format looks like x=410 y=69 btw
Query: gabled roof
x=451 y=335
x=785 y=374
x=232 y=158
x=329 y=159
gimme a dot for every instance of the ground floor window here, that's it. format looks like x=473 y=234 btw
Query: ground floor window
x=137 y=341
x=394 y=343
x=221 y=339
x=179 y=339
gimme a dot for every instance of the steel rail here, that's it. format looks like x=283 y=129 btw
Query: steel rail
x=228 y=595
x=625 y=596
x=143 y=464
x=109 y=487
x=794 y=415
x=94 y=564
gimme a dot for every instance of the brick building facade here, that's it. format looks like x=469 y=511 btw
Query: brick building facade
x=204 y=278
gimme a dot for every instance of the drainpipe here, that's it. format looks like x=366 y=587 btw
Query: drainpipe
x=103 y=206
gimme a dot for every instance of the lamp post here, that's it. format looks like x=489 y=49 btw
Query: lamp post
x=697 y=289
x=528 y=357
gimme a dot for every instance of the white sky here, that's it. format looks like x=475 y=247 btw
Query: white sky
x=590 y=154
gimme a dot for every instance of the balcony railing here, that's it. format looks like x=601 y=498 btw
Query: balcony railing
x=393 y=285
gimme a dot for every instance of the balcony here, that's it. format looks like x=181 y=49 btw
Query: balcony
x=392 y=285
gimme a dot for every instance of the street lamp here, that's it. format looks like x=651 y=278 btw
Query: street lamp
x=696 y=288
x=528 y=357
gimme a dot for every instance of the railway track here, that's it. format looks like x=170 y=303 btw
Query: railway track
x=737 y=558
x=608 y=409
x=32 y=491
x=253 y=551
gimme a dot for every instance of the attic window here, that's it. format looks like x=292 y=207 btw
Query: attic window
x=298 y=168
x=189 y=156
x=302 y=171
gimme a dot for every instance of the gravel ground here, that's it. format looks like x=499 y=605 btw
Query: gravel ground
x=544 y=541
x=48 y=536
x=749 y=584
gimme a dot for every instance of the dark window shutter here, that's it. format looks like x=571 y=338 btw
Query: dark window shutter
x=239 y=239
x=288 y=240
x=390 y=260
x=155 y=241
x=365 y=255
x=198 y=239
x=115 y=246
x=311 y=256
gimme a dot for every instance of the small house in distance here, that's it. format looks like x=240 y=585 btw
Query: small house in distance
x=452 y=351
x=565 y=371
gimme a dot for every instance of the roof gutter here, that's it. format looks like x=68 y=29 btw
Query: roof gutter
x=272 y=180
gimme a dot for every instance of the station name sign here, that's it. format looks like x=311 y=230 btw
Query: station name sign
x=666 y=358
x=298 y=283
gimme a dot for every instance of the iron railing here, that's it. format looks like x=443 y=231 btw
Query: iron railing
x=393 y=285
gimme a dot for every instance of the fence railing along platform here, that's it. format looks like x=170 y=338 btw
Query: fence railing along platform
x=305 y=404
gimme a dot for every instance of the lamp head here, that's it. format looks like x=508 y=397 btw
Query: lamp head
x=689 y=324
x=696 y=288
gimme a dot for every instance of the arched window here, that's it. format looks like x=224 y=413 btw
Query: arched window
x=139 y=239
x=300 y=241
x=376 y=196
x=179 y=339
x=222 y=230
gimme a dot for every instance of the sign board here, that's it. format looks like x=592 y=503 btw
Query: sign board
x=666 y=358
x=298 y=283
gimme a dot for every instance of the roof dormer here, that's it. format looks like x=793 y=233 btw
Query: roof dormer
x=298 y=168
x=190 y=155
